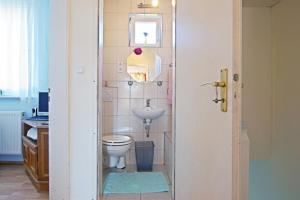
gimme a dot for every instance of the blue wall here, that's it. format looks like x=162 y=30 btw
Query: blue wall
x=15 y=104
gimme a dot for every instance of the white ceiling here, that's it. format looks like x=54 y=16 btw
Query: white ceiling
x=266 y=3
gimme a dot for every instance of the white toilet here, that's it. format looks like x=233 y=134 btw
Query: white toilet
x=116 y=147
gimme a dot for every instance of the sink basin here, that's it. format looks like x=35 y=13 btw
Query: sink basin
x=148 y=112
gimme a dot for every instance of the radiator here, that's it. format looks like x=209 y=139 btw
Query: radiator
x=10 y=133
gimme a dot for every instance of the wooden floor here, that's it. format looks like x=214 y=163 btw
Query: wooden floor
x=15 y=185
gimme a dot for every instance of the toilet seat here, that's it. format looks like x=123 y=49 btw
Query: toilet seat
x=116 y=140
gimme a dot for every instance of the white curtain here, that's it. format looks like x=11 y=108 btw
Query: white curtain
x=23 y=47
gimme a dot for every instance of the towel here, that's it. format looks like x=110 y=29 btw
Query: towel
x=32 y=133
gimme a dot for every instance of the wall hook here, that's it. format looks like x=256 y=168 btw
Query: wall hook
x=130 y=83
x=159 y=83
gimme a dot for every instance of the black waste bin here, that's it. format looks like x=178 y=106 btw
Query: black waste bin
x=144 y=152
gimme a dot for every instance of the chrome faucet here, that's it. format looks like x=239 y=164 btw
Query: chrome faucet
x=148 y=103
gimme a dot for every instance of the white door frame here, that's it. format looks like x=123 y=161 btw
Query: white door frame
x=59 y=141
x=237 y=98
x=59 y=138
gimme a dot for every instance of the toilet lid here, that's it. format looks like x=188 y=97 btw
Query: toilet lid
x=116 y=139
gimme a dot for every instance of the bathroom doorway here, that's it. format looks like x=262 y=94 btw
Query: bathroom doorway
x=136 y=144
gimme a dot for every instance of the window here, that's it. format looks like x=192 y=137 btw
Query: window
x=23 y=47
x=145 y=30
x=13 y=49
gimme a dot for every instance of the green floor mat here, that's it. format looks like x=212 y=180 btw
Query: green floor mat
x=136 y=182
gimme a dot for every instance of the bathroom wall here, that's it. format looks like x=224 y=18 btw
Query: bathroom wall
x=257 y=97
x=119 y=98
x=286 y=137
x=257 y=80
x=273 y=170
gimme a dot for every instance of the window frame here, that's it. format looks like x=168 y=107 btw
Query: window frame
x=133 y=18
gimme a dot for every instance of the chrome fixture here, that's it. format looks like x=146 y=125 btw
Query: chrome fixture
x=154 y=4
x=148 y=103
x=159 y=83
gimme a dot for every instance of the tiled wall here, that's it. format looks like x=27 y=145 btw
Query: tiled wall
x=120 y=97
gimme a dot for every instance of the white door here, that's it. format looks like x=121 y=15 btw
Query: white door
x=205 y=137
x=73 y=105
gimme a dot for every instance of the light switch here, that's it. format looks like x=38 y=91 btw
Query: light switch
x=79 y=69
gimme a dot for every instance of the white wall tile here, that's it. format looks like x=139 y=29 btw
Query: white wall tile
x=150 y=90
x=110 y=6
x=136 y=103
x=166 y=55
x=158 y=140
x=124 y=6
x=158 y=157
x=136 y=124
x=122 y=124
x=108 y=123
x=109 y=55
x=167 y=22
x=110 y=108
x=111 y=21
x=111 y=38
x=165 y=6
x=164 y=73
x=123 y=19
x=123 y=76
x=137 y=137
x=137 y=90
x=123 y=90
x=123 y=107
x=123 y=53
x=109 y=72
x=134 y=8
x=163 y=103
x=167 y=39
x=122 y=39
x=162 y=91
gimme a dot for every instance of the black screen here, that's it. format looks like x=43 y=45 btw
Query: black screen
x=43 y=102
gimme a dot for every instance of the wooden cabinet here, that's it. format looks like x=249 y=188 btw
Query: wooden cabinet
x=36 y=154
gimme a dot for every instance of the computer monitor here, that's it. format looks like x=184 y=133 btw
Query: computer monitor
x=43 y=102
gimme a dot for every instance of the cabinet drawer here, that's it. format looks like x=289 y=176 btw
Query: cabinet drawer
x=30 y=153
x=25 y=153
x=33 y=160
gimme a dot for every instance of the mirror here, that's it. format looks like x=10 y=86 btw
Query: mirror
x=143 y=65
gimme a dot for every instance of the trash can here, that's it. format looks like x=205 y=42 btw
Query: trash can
x=144 y=155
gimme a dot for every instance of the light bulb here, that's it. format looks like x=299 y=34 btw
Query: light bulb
x=154 y=3
x=173 y=3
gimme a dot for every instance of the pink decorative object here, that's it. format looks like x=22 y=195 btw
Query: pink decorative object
x=138 y=51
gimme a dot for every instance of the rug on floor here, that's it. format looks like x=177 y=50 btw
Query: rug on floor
x=135 y=182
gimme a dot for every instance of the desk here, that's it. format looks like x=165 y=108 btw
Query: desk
x=36 y=154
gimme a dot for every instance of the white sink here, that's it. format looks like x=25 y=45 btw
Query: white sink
x=148 y=112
